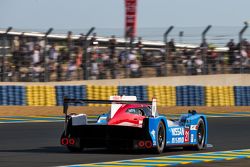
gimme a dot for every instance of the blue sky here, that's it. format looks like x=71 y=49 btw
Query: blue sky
x=72 y=14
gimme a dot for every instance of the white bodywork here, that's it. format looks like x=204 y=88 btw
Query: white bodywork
x=172 y=123
x=154 y=107
x=80 y=119
x=115 y=107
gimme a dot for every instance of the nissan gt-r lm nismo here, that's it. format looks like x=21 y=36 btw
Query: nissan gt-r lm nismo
x=132 y=124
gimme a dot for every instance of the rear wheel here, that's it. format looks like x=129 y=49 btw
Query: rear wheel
x=77 y=147
x=161 y=138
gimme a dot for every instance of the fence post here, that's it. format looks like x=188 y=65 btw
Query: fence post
x=4 y=42
x=204 y=49
x=165 y=39
x=45 y=55
x=85 y=57
x=128 y=46
x=240 y=44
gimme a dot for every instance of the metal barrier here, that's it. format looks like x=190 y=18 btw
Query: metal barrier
x=39 y=59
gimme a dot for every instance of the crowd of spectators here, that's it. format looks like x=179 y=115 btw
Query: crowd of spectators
x=31 y=59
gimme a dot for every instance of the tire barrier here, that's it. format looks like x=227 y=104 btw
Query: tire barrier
x=139 y=91
x=97 y=92
x=190 y=95
x=242 y=95
x=12 y=95
x=41 y=96
x=165 y=95
x=74 y=92
x=220 y=96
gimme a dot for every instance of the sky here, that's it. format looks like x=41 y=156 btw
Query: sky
x=73 y=14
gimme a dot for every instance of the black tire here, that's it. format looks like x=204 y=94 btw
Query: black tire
x=201 y=135
x=161 y=138
x=78 y=147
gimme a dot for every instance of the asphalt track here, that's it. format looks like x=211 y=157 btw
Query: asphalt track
x=37 y=144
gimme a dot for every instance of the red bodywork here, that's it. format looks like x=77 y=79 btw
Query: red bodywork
x=125 y=118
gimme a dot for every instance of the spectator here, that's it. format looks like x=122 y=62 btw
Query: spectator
x=102 y=71
x=94 y=70
x=134 y=69
x=237 y=64
x=171 y=46
x=53 y=54
x=132 y=56
x=23 y=52
x=105 y=62
x=37 y=71
x=36 y=55
x=112 y=46
x=189 y=62
x=15 y=48
x=59 y=71
x=123 y=61
x=204 y=50
x=139 y=46
x=231 y=48
x=158 y=63
x=64 y=56
x=8 y=76
x=79 y=54
x=41 y=44
x=171 y=54
x=212 y=60
x=71 y=68
x=70 y=41
x=30 y=44
x=198 y=64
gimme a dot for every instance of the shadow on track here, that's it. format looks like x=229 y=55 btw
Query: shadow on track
x=63 y=150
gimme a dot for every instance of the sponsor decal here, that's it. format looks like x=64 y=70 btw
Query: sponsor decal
x=116 y=98
x=177 y=131
x=153 y=136
x=193 y=127
x=192 y=138
x=177 y=140
x=186 y=136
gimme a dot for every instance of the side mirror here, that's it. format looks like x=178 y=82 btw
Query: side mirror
x=193 y=112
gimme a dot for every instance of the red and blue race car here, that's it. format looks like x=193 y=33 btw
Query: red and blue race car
x=132 y=124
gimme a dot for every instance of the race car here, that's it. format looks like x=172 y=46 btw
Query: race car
x=133 y=124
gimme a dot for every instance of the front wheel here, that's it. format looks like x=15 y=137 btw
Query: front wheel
x=201 y=137
x=161 y=138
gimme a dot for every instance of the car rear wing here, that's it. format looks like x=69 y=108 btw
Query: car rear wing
x=68 y=101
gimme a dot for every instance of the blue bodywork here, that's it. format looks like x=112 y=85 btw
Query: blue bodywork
x=178 y=133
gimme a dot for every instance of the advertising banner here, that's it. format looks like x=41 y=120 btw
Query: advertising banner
x=130 y=18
